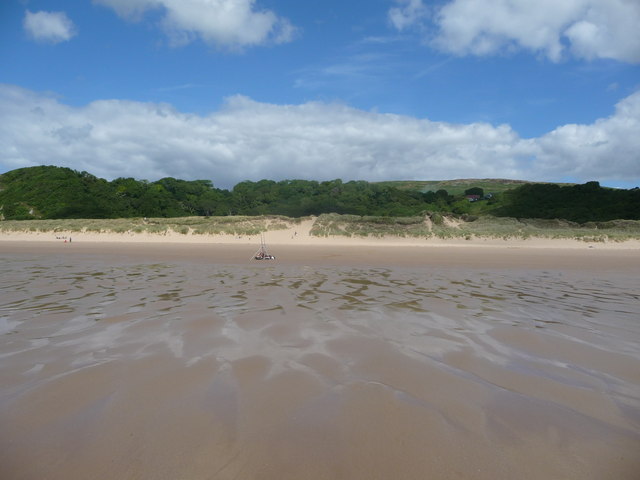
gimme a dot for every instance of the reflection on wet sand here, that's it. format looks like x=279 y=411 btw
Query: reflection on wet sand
x=185 y=370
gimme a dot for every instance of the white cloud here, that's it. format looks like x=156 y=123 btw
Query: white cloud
x=586 y=29
x=251 y=140
x=409 y=13
x=225 y=23
x=49 y=27
x=608 y=145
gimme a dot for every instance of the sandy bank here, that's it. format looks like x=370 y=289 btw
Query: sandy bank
x=300 y=235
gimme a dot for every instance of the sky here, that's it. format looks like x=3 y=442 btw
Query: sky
x=234 y=90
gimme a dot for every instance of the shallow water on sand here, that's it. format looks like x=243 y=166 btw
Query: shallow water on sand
x=114 y=369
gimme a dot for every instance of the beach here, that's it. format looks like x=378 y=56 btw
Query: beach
x=178 y=356
x=289 y=233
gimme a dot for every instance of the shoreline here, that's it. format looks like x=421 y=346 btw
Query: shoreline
x=296 y=246
x=152 y=360
x=301 y=236
x=437 y=257
x=166 y=355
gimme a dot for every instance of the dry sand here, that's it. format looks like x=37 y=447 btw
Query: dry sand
x=366 y=361
x=300 y=235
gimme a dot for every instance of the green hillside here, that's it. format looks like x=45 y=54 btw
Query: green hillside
x=48 y=192
x=457 y=187
x=53 y=192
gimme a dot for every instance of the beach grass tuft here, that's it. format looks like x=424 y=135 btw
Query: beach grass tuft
x=433 y=225
x=444 y=227
x=232 y=225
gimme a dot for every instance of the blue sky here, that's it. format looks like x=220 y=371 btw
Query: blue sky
x=230 y=90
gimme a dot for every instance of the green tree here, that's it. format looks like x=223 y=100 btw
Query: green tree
x=474 y=191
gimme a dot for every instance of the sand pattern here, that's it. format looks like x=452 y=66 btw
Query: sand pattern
x=184 y=369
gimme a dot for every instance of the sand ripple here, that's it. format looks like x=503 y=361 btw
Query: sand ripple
x=186 y=370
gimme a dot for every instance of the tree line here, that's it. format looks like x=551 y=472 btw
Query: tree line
x=56 y=192
x=579 y=203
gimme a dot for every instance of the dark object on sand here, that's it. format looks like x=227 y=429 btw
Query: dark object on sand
x=262 y=253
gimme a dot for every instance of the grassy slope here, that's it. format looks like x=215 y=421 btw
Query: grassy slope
x=232 y=225
x=484 y=227
x=435 y=226
x=457 y=187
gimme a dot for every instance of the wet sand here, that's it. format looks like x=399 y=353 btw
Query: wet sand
x=339 y=362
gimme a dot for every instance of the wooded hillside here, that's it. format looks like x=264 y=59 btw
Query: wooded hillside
x=48 y=192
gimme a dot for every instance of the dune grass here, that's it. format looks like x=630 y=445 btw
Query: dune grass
x=482 y=227
x=506 y=228
x=431 y=226
x=368 y=226
x=184 y=225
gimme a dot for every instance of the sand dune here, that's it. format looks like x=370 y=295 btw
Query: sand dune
x=301 y=235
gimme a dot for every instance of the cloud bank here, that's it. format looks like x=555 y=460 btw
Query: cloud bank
x=248 y=140
x=584 y=29
x=224 y=23
x=48 y=27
